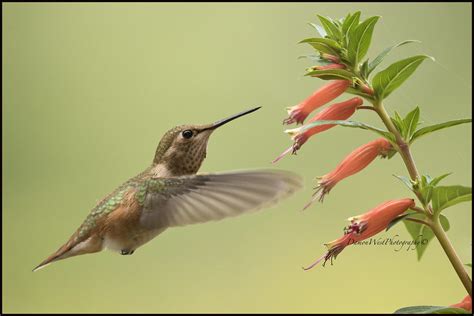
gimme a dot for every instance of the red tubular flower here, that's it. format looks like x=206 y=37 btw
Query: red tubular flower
x=326 y=67
x=337 y=111
x=325 y=94
x=466 y=304
x=365 y=226
x=330 y=57
x=357 y=160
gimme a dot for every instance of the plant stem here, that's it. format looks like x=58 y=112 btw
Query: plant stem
x=363 y=107
x=404 y=149
x=452 y=255
x=420 y=221
x=418 y=209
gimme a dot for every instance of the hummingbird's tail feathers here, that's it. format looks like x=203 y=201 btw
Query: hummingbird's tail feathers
x=209 y=197
x=71 y=249
x=54 y=257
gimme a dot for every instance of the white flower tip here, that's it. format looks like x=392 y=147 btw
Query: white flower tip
x=291 y=109
x=315 y=263
x=292 y=132
x=283 y=154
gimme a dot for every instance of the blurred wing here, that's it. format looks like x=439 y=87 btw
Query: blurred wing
x=201 y=198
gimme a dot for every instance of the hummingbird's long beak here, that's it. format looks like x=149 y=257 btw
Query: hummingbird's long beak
x=231 y=118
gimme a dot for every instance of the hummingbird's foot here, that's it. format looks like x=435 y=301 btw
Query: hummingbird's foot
x=126 y=252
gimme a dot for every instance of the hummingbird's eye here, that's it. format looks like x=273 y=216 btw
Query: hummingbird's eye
x=187 y=133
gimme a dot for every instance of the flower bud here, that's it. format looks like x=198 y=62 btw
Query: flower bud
x=327 y=67
x=330 y=57
x=366 y=89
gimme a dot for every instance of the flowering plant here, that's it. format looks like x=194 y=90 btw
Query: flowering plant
x=339 y=59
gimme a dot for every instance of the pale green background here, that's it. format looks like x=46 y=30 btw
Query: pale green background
x=88 y=90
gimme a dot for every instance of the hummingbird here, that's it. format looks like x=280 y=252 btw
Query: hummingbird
x=170 y=193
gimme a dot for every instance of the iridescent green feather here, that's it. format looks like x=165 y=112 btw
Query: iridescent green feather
x=110 y=203
x=142 y=185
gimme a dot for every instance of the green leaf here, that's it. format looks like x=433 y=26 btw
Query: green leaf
x=437 y=180
x=389 y=79
x=392 y=152
x=353 y=124
x=398 y=121
x=411 y=123
x=427 y=185
x=318 y=42
x=331 y=74
x=351 y=23
x=351 y=30
x=428 y=235
x=426 y=193
x=431 y=310
x=414 y=229
x=398 y=124
x=364 y=69
x=425 y=180
x=319 y=29
x=444 y=222
x=360 y=39
x=397 y=220
x=316 y=59
x=384 y=53
x=323 y=48
x=352 y=90
x=405 y=181
x=468 y=265
x=446 y=196
x=436 y=127
x=331 y=29
x=345 y=22
x=425 y=188
x=419 y=232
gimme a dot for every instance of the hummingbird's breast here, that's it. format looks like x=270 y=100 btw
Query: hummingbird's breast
x=130 y=241
x=121 y=229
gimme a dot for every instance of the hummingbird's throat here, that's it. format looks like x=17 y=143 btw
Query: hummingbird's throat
x=181 y=160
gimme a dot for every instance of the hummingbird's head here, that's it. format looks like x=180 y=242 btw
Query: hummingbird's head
x=182 y=149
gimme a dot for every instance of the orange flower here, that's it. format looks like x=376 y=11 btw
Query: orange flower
x=365 y=226
x=357 y=160
x=337 y=111
x=325 y=94
x=466 y=304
